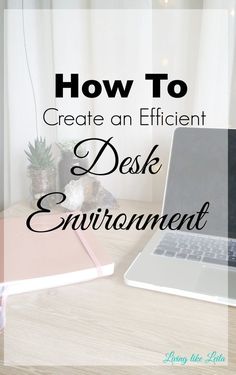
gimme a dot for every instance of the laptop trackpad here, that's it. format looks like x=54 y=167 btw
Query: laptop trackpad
x=213 y=281
x=165 y=272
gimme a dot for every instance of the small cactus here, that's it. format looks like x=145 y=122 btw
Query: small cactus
x=39 y=155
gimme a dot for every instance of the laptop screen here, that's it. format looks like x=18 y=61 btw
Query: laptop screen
x=232 y=183
x=203 y=169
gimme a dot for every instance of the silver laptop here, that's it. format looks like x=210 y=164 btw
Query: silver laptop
x=195 y=263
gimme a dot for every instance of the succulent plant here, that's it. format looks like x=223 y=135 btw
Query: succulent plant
x=39 y=154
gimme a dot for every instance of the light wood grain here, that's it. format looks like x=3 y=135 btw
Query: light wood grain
x=105 y=322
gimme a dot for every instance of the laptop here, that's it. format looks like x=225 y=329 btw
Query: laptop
x=195 y=263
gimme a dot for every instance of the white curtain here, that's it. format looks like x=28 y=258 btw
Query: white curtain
x=110 y=44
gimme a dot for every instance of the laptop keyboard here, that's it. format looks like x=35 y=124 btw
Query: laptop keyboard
x=198 y=248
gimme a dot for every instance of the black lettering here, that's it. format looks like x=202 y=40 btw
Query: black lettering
x=86 y=88
x=118 y=86
x=156 y=83
x=106 y=145
x=151 y=162
x=44 y=210
x=183 y=88
x=73 y=85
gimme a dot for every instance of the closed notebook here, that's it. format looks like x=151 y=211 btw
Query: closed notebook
x=34 y=261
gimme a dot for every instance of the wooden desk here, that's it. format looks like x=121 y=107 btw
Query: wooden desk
x=110 y=328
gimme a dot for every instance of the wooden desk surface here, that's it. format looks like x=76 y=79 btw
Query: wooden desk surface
x=106 y=327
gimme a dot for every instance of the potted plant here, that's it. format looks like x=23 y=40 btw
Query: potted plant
x=41 y=170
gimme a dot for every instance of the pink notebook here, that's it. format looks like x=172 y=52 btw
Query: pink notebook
x=34 y=261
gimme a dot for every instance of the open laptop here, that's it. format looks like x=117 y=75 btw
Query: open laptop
x=202 y=263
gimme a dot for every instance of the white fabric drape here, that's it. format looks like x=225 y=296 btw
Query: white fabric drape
x=111 y=45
